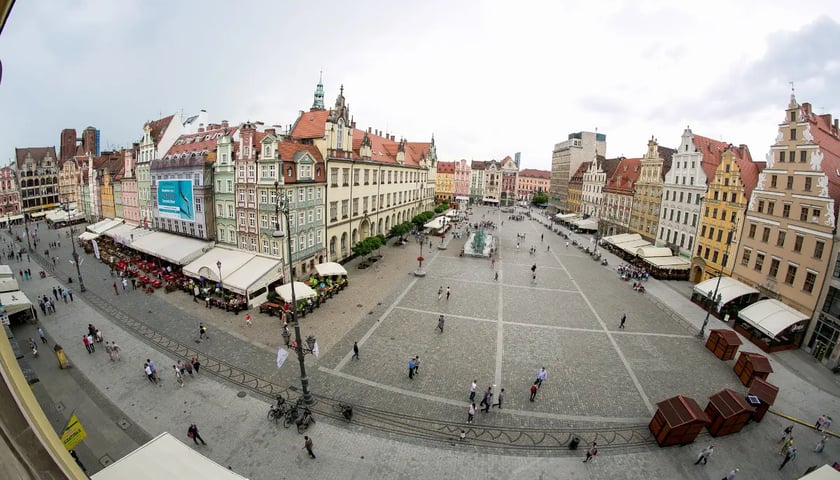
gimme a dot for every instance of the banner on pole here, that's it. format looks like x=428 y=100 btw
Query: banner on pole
x=282 y=355
x=73 y=433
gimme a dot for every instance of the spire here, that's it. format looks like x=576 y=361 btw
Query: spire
x=318 y=103
x=793 y=103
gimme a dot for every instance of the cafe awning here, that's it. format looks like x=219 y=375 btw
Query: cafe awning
x=587 y=224
x=729 y=289
x=14 y=302
x=490 y=200
x=257 y=272
x=172 y=248
x=437 y=223
x=651 y=252
x=122 y=232
x=206 y=266
x=302 y=291
x=100 y=227
x=669 y=263
x=329 y=269
x=88 y=236
x=632 y=246
x=621 y=237
x=771 y=316
x=8 y=284
x=563 y=216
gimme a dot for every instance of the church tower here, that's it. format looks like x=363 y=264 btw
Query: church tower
x=318 y=103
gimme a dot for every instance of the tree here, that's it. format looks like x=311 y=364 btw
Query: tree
x=442 y=208
x=420 y=219
x=539 y=198
x=400 y=230
x=367 y=245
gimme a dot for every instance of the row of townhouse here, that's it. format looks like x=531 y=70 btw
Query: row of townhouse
x=490 y=182
x=768 y=224
x=341 y=184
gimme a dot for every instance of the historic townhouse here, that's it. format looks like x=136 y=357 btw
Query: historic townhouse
x=245 y=184
x=618 y=197
x=127 y=196
x=790 y=220
x=462 y=181
x=191 y=157
x=565 y=161
x=224 y=192
x=476 y=181
x=574 y=191
x=692 y=166
x=722 y=210
x=69 y=181
x=37 y=169
x=109 y=167
x=492 y=182
x=648 y=196
x=509 y=172
x=9 y=194
x=592 y=187
x=158 y=138
x=445 y=182
x=374 y=182
x=531 y=181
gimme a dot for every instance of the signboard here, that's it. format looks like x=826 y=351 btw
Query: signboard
x=175 y=199
x=73 y=433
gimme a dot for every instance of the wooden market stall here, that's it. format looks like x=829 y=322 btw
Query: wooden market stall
x=723 y=343
x=752 y=365
x=677 y=421
x=728 y=412
x=766 y=393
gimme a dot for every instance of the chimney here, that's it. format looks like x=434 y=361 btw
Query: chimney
x=225 y=124
x=368 y=130
x=353 y=124
x=269 y=131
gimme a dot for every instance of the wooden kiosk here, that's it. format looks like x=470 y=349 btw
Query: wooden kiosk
x=677 y=421
x=766 y=393
x=728 y=412
x=752 y=365
x=723 y=343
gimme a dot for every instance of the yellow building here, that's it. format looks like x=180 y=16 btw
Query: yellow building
x=722 y=211
x=647 y=197
x=445 y=182
x=575 y=189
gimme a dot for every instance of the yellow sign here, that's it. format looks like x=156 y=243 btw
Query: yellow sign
x=73 y=433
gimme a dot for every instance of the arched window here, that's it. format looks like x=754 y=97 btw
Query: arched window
x=339 y=142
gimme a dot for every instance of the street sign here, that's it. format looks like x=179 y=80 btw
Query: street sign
x=73 y=433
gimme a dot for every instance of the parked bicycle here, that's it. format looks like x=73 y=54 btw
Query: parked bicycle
x=278 y=411
x=345 y=409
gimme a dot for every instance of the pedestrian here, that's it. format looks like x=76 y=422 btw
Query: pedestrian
x=440 y=323
x=787 y=434
x=115 y=349
x=591 y=452
x=192 y=432
x=189 y=368
x=149 y=373
x=440 y=292
x=42 y=335
x=623 y=319
x=541 y=376
x=55 y=293
x=411 y=368
x=196 y=364
x=819 y=423
x=548 y=249
x=821 y=444
x=826 y=424
x=416 y=364
x=248 y=319
x=70 y=292
x=64 y=295
x=487 y=400
x=471 y=413
x=534 y=278
x=786 y=445
x=98 y=336
x=473 y=386
x=567 y=244
x=497 y=276
x=124 y=284
x=731 y=474
x=705 y=454
x=534 y=390
x=448 y=293
x=202 y=331
x=307 y=444
x=133 y=283
x=117 y=292
x=154 y=370
x=462 y=436
x=355 y=351
x=178 y=377
x=791 y=454
x=78 y=462
x=501 y=399
x=87 y=344
x=109 y=351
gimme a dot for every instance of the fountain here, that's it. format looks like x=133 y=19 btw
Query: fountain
x=479 y=244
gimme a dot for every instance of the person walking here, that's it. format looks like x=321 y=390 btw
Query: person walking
x=441 y=321
x=55 y=293
x=149 y=373
x=705 y=454
x=787 y=433
x=473 y=386
x=623 y=319
x=501 y=399
x=487 y=400
x=178 y=377
x=115 y=349
x=591 y=452
x=819 y=423
x=308 y=445
x=192 y=432
x=440 y=293
x=109 y=351
x=355 y=351
x=471 y=413
x=189 y=368
x=202 y=331
x=786 y=445
x=448 y=293
x=42 y=335
x=117 y=292
x=70 y=293
x=196 y=364
x=417 y=364
x=497 y=276
x=534 y=390
x=826 y=424
x=87 y=344
x=731 y=474
x=248 y=319
x=411 y=368
x=542 y=375
x=790 y=455
x=124 y=284
x=821 y=444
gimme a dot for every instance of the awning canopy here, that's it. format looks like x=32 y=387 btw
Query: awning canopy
x=563 y=216
x=437 y=223
x=165 y=457
x=38 y=214
x=632 y=246
x=826 y=472
x=6 y=271
x=461 y=198
x=329 y=269
x=650 y=252
x=100 y=227
x=172 y=248
x=491 y=200
x=122 y=232
x=621 y=237
x=588 y=224
x=671 y=263
x=14 y=302
x=8 y=284
x=14 y=217
x=259 y=271
x=729 y=289
x=302 y=291
x=206 y=266
x=771 y=316
x=88 y=236
x=62 y=216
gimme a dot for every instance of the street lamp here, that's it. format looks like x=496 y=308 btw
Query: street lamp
x=73 y=243
x=26 y=227
x=714 y=295
x=283 y=204
x=221 y=283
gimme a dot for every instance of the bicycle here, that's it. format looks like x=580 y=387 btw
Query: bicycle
x=345 y=409
x=276 y=412
x=292 y=414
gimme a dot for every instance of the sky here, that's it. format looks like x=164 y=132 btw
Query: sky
x=486 y=78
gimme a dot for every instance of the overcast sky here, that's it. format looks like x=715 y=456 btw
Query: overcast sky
x=488 y=79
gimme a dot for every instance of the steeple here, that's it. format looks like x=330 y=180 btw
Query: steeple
x=318 y=104
x=792 y=103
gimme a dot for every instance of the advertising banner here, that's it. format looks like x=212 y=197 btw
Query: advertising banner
x=175 y=199
x=73 y=433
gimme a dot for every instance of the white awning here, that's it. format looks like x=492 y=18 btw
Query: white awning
x=172 y=248
x=587 y=224
x=826 y=472
x=14 y=302
x=651 y=252
x=302 y=291
x=206 y=266
x=491 y=200
x=672 y=263
x=107 y=224
x=122 y=232
x=632 y=246
x=574 y=218
x=15 y=217
x=437 y=223
x=62 y=216
x=621 y=237
x=461 y=198
x=259 y=271
x=6 y=271
x=8 y=284
x=329 y=269
x=771 y=317
x=88 y=236
x=38 y=214
x=729 y=289
x=563 y=216
x=166 y=457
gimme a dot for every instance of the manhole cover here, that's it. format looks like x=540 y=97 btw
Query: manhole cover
x=105 y=460
x=241 y=394
x=359 y=305
x=59 y=406
x=123 y=423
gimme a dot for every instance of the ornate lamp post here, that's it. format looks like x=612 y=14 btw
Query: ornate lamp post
x=73 y=243
x=221 y=283
x=714 y=297
x=283 y=205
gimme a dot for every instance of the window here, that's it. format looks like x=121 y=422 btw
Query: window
x=251 y=196
x=810 y=280
x=694 y=220
x=797 y=244
x=715 y=256
x=703 y=231
x=780 y=241
x=790 y=276
x=818 y=249
x=792 y=136
x=774 y=181
x=771 y=207
x=803 y=156
x=786 y=210
x=760 y=206
x=720 y=234
x=807 y=182
x=774 y=267
x=815 y=216
x=345 y=176
x=759 y=262
x=367 y=176
x=765 y=235
x=263 y=196
x=318 y=214
x=334 y=177
x=301 y=194
x=242 y=221
x=345 y=207
x=264 y=223
x=355 y=176
x=355 y=206
x=790 y=182
x=706 y=253
x=301 y=219
x=274 y=248
x=252 y=219
x=803 y=214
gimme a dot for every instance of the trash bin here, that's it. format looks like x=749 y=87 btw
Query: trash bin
x=62 y=359
x=573 y=444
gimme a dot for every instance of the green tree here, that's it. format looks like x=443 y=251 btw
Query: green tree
x=420 y=219
x=367 y=245
x=539 y=198
x=400 y=230
x=442 y=208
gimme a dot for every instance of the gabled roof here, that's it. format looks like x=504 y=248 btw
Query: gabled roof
x=577 y=177
x=667 y=154
x=711 y=150
x=623 y=179
x=37 y=153
x=384 y=150
x=477 y=165
x=608 y=165
x=288 y=149
x=311 y=124
x=158 y=128
x=534 y=173
x=446 y=167
x=201 y=142
x=748 y=168
x=416 y=151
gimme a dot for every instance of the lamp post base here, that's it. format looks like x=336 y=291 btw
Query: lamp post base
x=419 y=273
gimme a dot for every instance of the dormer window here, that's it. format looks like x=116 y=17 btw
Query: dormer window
x=289 y=172
x=267 y=151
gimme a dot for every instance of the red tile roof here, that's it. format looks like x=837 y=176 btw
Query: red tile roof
x=711 y=150
x=577 y=177
x=384 y=150
x=826 y=135
x=38 y=154
x=416 y=151
x=159 y=127
x=446 y=167
x=477 y=165
x=311 y=124
x=534 y=173
x=201 y=142
x=288 y=149
x=748 y=168
x=623 y=180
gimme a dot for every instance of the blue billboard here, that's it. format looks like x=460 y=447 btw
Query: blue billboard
x=175 y=199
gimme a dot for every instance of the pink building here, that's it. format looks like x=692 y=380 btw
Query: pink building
x=462 y=181
x=130 y=198
x=9 y=195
